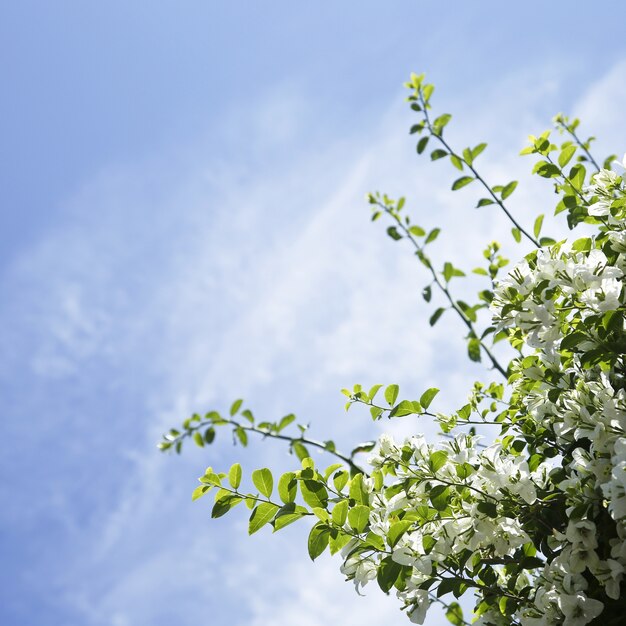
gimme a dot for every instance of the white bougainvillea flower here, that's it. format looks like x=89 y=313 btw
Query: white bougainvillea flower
x=417 y=613
x=578 y=609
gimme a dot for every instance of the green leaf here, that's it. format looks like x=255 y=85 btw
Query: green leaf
x=373 y=391
x=261 y=515
x=437 y=154
x=357 y=491
x=287 y=487
x=438 y=460
x=375 y=412
x=199 y=491
x=396 y=530
x=478 y=149
x=428 y=396
x=461 y=182
x=489 y=508
x=358 y=517
x=225 y=504
x=388 y=572
x=454 y=613
x=340 y=479
x=285 y=421
x=427 y=293
x=199 y=439
x=440 y=122
x=421 y=144
x=263 y=481
x=314 y=493
x=300 y=450
x=391 y=394
x=330 y=469
x=537 y=226
x=436 y=315
x=566 y=155
x=235 y=407
x=432 y=235
x=439 y=497
x=318 y=540
x=577 y=176
x=288 y=514
x=392 y=231
x=507 y=190
x=242 y=435
x=546 y=170
x=573 y=340
x=418 y=231
x=473 y=349
x=517 y=235
x=456 y=162
x=404 y=408
x=234 y=476
x=366 y=446
x=209 y=435
x=340 y=513
x=448 y=585
x=484 y=202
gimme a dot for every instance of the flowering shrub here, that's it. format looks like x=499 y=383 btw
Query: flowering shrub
x=533 y=523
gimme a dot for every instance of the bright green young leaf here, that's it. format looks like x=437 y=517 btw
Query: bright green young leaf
x=318 y=540
x=454 y=613
x=432 y=235
x=566 y=155
x=396 y=530
x=300 y=450
x=225 y=504
x=288 y=514
x=314 y=493
x=507 y=190
x=199 y=491
x=462 y=182
x=234 y=476
x=261 y=515
x=235 y=407
x=340 y=479
x=287 y=487
x=358 y=517
x=439 y=497
x=285 y=421
x=263 y=481
x=428 y=396
x=391 y=394
x=340 y=513
x=438 y=459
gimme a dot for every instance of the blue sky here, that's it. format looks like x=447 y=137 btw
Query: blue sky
x=182 y=223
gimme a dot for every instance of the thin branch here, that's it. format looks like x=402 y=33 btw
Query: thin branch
x=478 y=177
x=446 y=292
x=265 y=433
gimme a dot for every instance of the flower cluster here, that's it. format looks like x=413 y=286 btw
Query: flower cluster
x=535 y=524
